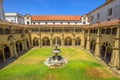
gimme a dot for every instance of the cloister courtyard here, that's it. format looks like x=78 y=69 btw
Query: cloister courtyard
x=81 y=66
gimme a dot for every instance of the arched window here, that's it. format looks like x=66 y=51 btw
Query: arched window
x=45 y=41
x=114 y=30
x=92 y=45
x=108 y=31
x=1 y=56
x=1 y=31
x=102 y=31
x=106 y=52
x=7 y=52
x=35 y=42
x=94 y=31
x=68 y=41
x=91 y=31
x=7 y=31
x=19 y=46
x=78 y=41
x=57 y=39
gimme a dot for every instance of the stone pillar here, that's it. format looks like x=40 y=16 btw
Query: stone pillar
x=15 y=52
x=83 y=39
x=3 y=53
x=62 y=41
x=11 y=50
x=88 y=41
x=73 y=40
x=115 y=59
x=30 y=38
x=98 y=47
x=40 y=41
x=25 y=44
x=51 y=40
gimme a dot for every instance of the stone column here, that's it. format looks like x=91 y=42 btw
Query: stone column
x=3 y=53
x=115 y=59
x=13 y=50
x=23 y=45
x=98 y=47
x=73 y=40
x=30 y=39
x=83 y=39
x=40 y=41
x=62 y=41
x=88 y=41
x=51 y=40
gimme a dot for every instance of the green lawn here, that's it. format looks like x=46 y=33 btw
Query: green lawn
x=81 y=66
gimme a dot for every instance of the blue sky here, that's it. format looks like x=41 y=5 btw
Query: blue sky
x=51 y=7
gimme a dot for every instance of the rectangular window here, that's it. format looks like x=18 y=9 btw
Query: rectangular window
x=84 y=22
x=98 y=16
x=27 y=17
x=75 y=22
x=33 y=22
x=68 y=22
x=53 y=22
x=27 y=22
x=110 y=12
x=91 y=18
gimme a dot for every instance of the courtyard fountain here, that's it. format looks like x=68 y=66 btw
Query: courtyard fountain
x=56 y=59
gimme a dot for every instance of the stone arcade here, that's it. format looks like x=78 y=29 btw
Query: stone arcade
x=102 y=39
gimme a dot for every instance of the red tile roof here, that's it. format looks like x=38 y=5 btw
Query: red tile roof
x=59 y=18
x=106 y=24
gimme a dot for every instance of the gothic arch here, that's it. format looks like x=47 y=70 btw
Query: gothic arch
x=106 y=52
x=19 y=46
x=92 y=45
x=7 y=52
x=1 y=56
x=78 y=41
x=68 y=41
x=45 y=41
x=27 y=43
x=57 y=39
x=108 y=31
x=35 y=41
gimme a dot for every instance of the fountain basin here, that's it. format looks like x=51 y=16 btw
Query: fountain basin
x=52 y=61
x=56 y=51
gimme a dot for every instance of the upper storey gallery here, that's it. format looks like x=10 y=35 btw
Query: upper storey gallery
x=55 y=20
